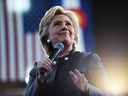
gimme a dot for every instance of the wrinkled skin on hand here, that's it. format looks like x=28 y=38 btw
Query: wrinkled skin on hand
x=46 y=64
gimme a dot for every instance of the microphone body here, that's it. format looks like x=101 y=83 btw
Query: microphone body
x=58 y=47
x=54 y=54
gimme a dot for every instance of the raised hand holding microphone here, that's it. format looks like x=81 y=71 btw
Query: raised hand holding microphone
x=58 y=47
x=46 y=65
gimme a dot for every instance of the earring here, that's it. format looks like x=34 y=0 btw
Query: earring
x=48 y=41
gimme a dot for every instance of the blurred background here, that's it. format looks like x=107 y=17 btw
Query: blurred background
x=103 y=30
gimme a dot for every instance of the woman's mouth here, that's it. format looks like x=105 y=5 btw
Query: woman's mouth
x=65 y=33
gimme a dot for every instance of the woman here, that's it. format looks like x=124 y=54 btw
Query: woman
x=73 y=73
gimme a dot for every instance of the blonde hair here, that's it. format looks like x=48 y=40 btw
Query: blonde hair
x=45 y=22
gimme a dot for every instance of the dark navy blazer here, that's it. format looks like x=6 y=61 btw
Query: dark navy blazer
x=87 y=63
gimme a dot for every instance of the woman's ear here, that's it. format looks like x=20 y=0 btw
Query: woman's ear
x=46 y=38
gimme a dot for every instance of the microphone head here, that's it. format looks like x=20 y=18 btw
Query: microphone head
x=59 y=45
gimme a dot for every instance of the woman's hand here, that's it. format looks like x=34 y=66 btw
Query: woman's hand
x=79 y=80
x=46 y=64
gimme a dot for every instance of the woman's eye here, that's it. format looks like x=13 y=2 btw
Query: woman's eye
x=56 y=24
x=69 y=24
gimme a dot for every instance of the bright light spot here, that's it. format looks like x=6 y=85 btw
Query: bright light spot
x=22 y=5
x=27 y=74
x=118 y=76
x=18 y=5
x=26 y=79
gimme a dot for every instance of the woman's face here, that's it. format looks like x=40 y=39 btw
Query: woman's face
x=61 y=30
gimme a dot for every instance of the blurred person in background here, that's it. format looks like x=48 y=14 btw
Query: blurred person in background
x=73 y=73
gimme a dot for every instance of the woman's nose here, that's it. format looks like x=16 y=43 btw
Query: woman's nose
x=64 y=27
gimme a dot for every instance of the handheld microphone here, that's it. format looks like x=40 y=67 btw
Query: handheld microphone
x=58 y=47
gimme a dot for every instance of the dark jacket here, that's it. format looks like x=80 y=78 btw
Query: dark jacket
x=63 y=85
